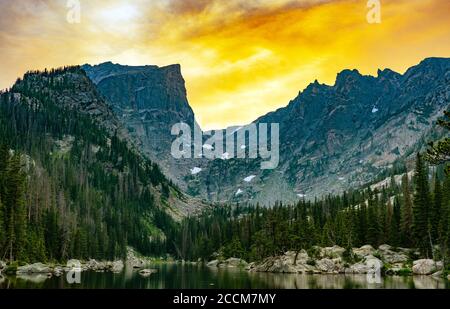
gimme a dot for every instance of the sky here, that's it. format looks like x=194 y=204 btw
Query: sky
x=240 y=58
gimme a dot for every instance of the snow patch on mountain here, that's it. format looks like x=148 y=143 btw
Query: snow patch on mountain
x=249 y=178
x=196 y=170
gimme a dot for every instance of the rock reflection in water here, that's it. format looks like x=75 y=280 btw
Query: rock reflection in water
x=178 y=276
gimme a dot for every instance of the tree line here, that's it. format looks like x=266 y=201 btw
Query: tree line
x=90 y=197
x=412 y=213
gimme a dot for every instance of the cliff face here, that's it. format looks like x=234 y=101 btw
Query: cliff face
x=333 y=138
x=148 y=101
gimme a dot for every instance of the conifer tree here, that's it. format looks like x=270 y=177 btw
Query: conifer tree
x=15 y=210
x=435 y=215
x=439 y=153
x=406 y=213
x=422 y=206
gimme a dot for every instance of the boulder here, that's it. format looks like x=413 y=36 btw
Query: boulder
x=58 y=271
x=37 y=268
x=358 y=268
x=75 y=265
x=147 y=272
x=385 y=248
x=304 y=268
x=117 y=266
x=364 y=251
x=213 y=263
x=133 y=260
x=234 y=262
x=390 y=256
x=326 y=265
x=332 y=252
x=276 y=265
x=424 y=267
x=94 y=265
x=250 y=266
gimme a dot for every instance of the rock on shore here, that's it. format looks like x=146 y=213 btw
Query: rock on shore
x=37 y=268
x=333 y=260
x=426 y=267
x=2 y=266
x=229 y=263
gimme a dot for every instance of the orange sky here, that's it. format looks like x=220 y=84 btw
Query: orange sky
x=240 y=58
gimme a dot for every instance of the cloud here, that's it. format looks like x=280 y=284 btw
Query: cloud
x=240 y=58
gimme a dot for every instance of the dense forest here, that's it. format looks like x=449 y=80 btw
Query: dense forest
x=91 y=196
x=72 y=188
x=412 y=213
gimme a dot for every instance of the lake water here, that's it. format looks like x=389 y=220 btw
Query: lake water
x=177 y=276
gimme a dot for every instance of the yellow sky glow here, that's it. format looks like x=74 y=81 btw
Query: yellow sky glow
x=240 y=58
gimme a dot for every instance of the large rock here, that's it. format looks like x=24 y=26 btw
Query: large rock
x=358 y=268
x=275 y=265
x=364 y=251
x=330 y=265
x=74 y=264
x=95 y=265
x=325 y=265
x=117 y=267
x=234 y=262
x=370 y=264
x=332 y=252
x=147 y=272
x=133 y=260
x=58 y=271
x=425 y=267
x=213 y=263
x=37 y=268
x=390 y=256
x=2 y=266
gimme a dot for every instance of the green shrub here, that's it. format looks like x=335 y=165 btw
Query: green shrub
x=11 y=269
x=311 y=262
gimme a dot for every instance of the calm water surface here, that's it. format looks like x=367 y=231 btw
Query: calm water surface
x=176 y=276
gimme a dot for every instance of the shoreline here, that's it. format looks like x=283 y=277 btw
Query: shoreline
x=385 y=261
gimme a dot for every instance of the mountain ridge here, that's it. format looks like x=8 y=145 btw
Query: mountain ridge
x=319 y=128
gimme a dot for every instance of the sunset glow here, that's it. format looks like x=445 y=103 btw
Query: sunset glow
x=240 y=58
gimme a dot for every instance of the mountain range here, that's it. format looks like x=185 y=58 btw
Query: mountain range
x=332 y=137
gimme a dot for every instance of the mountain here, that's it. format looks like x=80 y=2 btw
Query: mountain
x=73 y=183
x=148 y=101
x=338 y=137
x=332 y=137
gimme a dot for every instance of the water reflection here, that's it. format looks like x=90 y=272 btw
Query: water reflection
x=176 y=276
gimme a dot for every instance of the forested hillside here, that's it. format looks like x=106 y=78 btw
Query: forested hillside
x=71 y=185
x=411 y=213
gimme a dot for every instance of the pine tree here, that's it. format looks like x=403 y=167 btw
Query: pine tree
x=421 y=210
x=444 y=224
x=15 y=210
x=439 y=153
x=373 y=219
x=435 y=215
x=406 y=213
